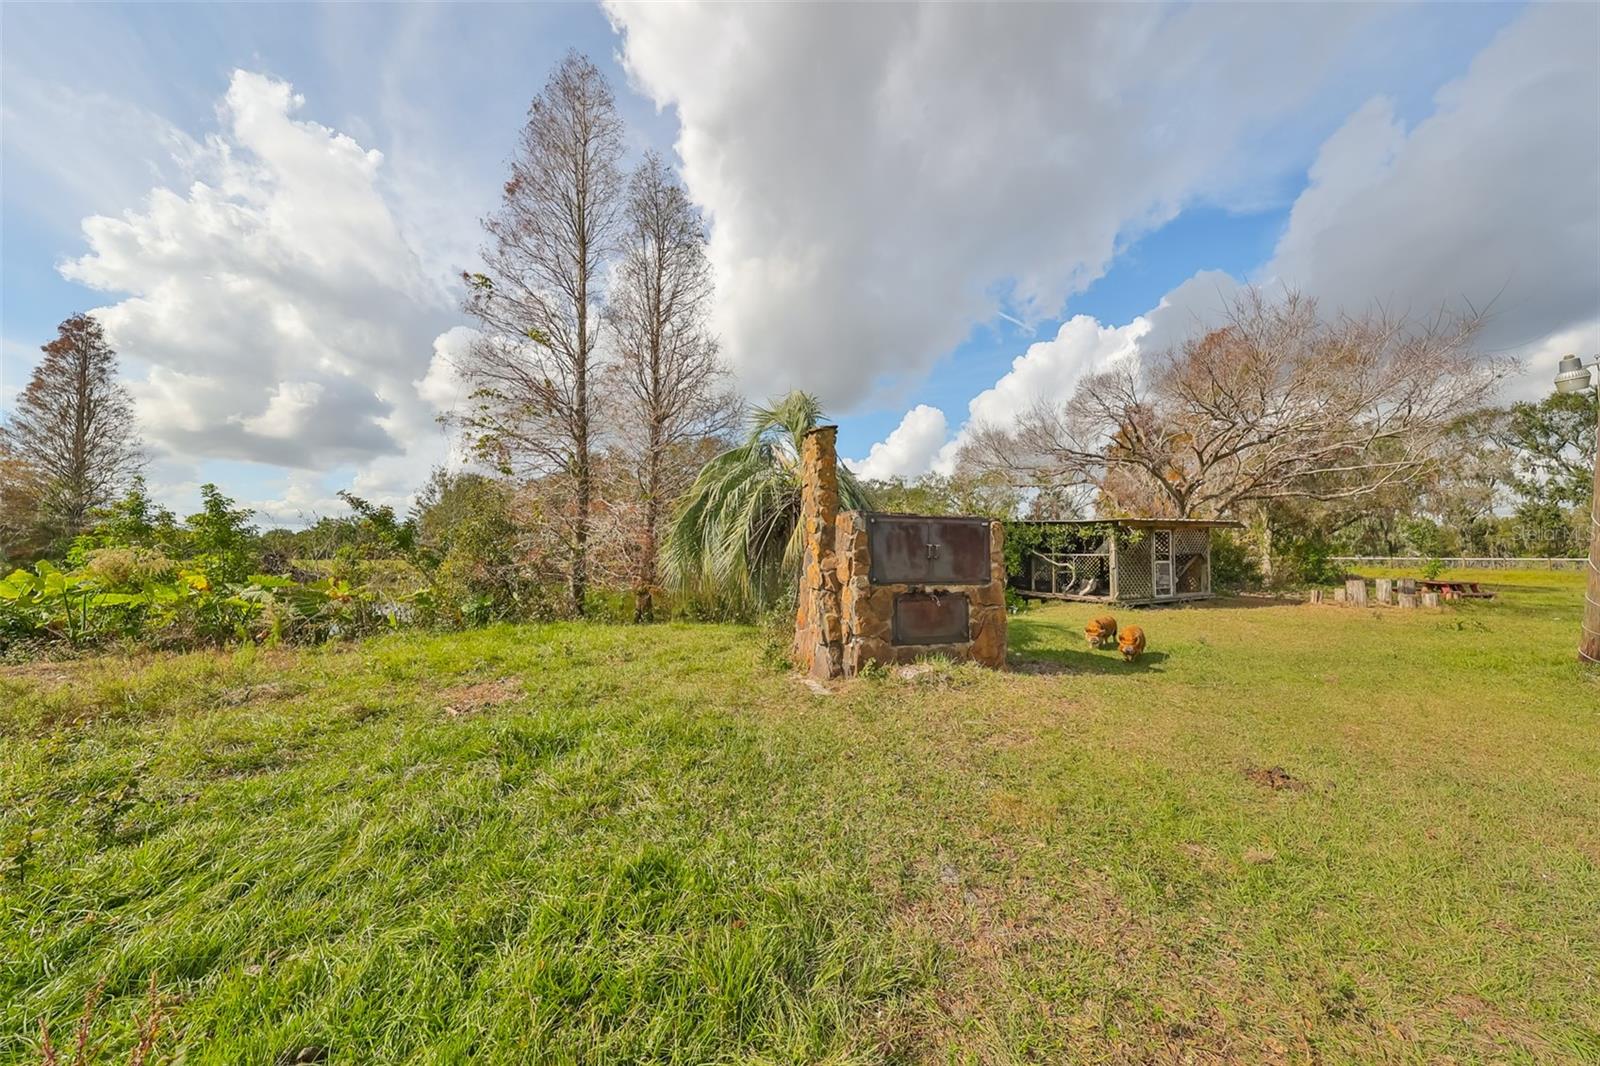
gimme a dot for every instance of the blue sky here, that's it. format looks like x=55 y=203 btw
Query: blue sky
x=907 y=204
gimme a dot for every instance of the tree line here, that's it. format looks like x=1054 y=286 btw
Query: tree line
x=1349 y=433
x=594 y=381
x=613 y=455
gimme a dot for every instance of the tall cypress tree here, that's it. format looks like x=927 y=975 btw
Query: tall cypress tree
x=534 y=371
x=72 y=437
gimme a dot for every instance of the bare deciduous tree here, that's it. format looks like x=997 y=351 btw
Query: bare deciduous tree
x=671 y=381
x=1278 y=404
x=534 y=372
x=72 y=441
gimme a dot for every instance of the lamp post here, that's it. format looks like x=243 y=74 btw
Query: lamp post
x=1573 y=376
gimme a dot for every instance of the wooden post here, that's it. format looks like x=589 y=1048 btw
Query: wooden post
x=1408 y=599
x=1385 y=591
x=1356 y=591
x=1430 y=599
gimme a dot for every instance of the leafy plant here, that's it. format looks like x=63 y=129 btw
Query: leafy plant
x=220 y=539
x=49 y=601
x=1232 y=566
x=1302 y=555
x=182 y=608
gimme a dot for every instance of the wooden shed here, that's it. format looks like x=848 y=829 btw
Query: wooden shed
x=1122 y=560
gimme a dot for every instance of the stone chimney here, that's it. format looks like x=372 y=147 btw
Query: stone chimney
x=818 y=627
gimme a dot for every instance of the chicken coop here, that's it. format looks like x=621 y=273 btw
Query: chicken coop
x=1125 y=560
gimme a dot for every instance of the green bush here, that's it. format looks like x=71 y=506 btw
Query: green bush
x=1304 y=557
x=1024 y=538
x=122 y=594
x=1233 y=566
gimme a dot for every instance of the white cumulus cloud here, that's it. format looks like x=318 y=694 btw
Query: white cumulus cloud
x=1491 y=201
x=882 y=177
x=277 y=311
x=909 y=450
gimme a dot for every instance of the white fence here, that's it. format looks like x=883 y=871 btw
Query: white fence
x=1468 y=562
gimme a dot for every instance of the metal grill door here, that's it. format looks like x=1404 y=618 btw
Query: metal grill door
x=914 y=550
x=898 y=546
x=930 y=618
x=1161 y=556
x=960 y=551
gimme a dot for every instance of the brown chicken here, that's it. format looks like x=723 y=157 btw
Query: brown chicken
x=1130 y=642
x=1101 y=631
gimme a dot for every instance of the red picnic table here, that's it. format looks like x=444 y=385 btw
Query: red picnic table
x=1455 y=590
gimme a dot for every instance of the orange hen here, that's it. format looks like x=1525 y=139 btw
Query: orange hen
x=1130 y=642
x=1101 y=631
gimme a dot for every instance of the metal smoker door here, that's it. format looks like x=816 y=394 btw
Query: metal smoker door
x=898 y=545
x=930 y=618
x=913 y=550
x=960 y=548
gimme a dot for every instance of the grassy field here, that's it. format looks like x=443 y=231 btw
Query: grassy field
x=1290 y=833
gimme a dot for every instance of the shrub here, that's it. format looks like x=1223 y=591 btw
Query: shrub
x=123 y=568
x=1304 y=558
x=220 y=540
x=776 y=628
x=123 y=594
x=1233 y=567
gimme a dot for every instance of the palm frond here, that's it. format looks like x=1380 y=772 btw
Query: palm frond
x=736 y=530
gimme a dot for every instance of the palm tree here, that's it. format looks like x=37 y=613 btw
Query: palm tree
x=736 y=530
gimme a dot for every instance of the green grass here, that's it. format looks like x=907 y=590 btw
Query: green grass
x=664 y=849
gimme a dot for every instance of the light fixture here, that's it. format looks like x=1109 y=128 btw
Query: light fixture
x=1571 y=375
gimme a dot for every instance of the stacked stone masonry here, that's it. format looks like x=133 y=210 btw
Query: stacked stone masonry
x=844 y=621
x=818 y=628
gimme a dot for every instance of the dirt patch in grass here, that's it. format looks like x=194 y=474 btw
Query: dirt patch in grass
x=1494 y=1033
x=1276 y=778
x=466 y=699
x=47 y=674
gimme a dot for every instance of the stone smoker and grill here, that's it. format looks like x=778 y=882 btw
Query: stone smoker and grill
x=891 y=588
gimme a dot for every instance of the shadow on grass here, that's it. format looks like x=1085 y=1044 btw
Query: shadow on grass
x=1216 y=603
x=1068 y=662
x=1043 y=650
x=1238 y=603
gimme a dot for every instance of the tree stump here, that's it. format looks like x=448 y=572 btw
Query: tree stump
x=1385 y=589
x=1315 y=596
x=1430 y=599
x=1408 y=599
x=1355 y=591
x=1339 y=595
